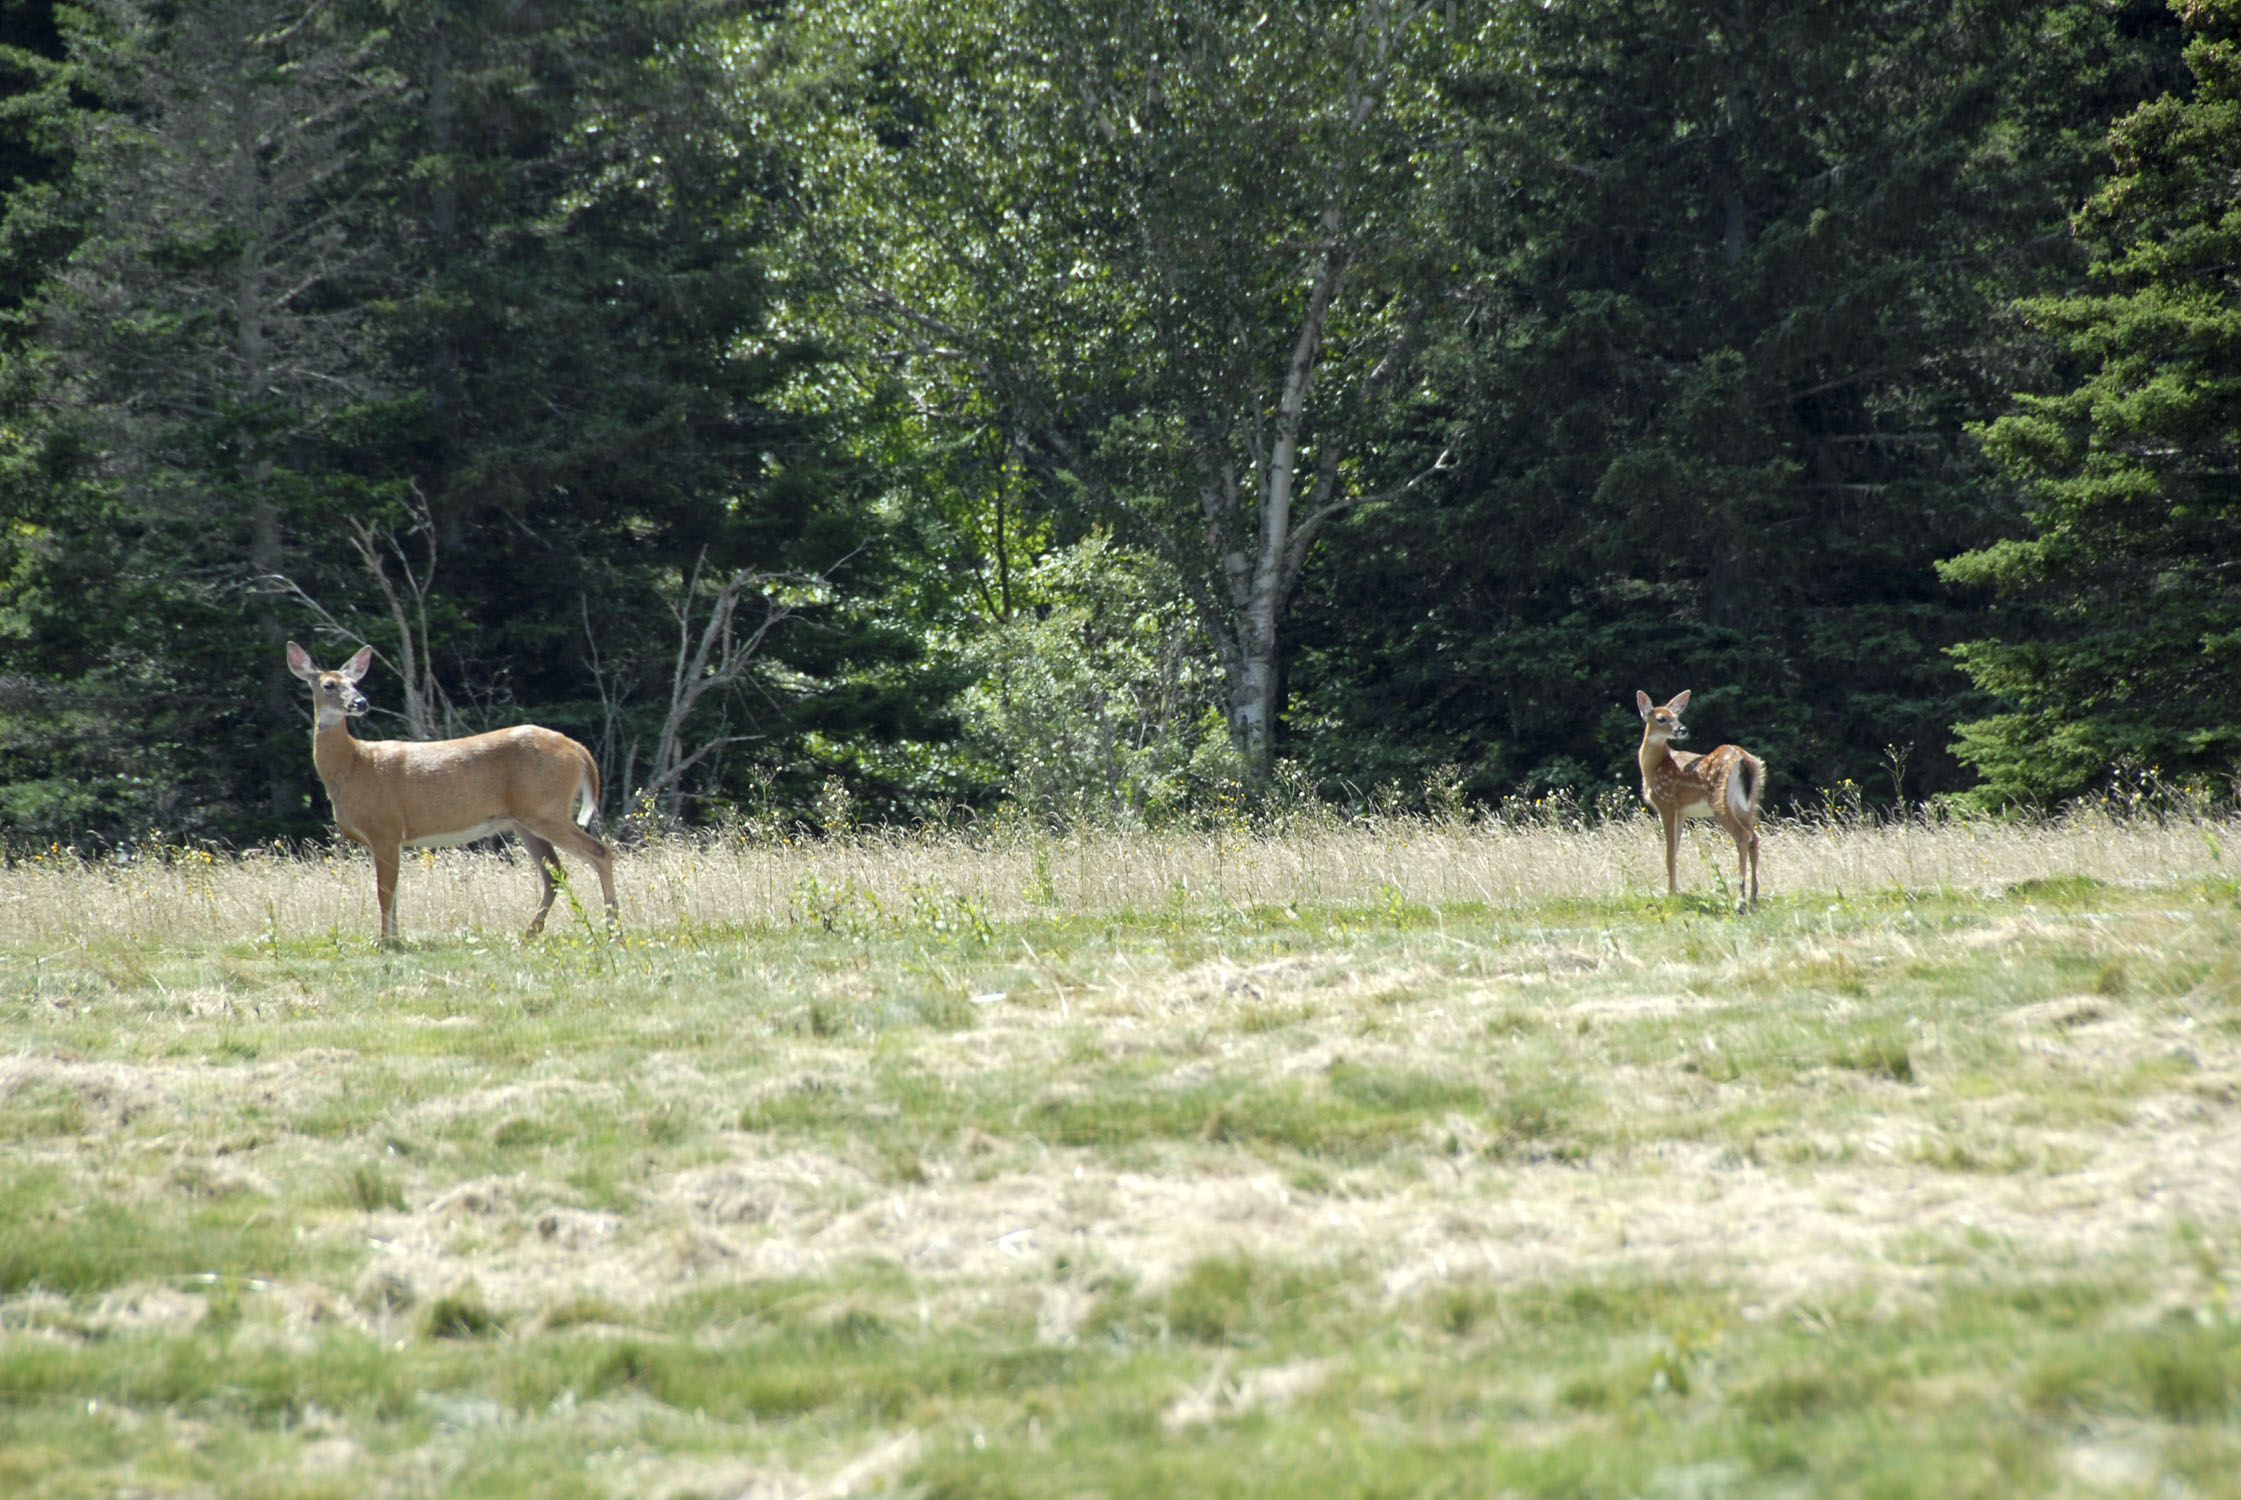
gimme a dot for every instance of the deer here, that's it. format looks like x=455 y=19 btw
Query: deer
x=1725 y=784
x=390 y=793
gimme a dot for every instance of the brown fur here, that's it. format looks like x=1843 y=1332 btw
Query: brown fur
x=389 y=793
x=1724 y=784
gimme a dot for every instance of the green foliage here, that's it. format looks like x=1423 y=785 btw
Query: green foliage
x=1172 y=259
x=1097 y=695
x=2122 y=640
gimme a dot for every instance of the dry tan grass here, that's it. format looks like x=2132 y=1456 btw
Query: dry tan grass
x=716 y=882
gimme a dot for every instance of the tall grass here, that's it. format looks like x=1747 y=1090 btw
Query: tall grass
x=1004 y=873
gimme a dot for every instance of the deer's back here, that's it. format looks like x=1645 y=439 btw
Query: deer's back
x=1696 y=785
x=431 y=789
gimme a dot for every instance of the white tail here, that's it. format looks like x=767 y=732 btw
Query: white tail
x=1725 y=784
x=389 y=793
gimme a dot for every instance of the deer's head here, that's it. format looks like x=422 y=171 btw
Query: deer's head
x=1664 y=723
x=334 y=695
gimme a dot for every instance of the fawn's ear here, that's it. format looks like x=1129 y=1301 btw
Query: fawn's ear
x=300 y=663
x=356 y=667
x=1642 y=702
x=1680 y=701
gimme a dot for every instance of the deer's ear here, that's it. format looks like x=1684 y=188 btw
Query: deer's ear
x=356 y=667
x=1680 y=701
x=1642 y=702
x=300 y=663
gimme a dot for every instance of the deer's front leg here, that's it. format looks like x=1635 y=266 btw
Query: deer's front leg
x=385 y=888
x=1672 y=848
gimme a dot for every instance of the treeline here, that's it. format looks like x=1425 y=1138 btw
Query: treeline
x=868 y=408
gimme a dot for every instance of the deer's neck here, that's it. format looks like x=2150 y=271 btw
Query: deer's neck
x=333 y=751
x=1656 y=755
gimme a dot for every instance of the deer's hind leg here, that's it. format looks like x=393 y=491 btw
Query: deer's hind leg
x=1742 y=863
x=547 y=860
x=565 y=834
x=1746 y=836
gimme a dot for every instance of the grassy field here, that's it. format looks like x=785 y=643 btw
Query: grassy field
x=1385 y=1158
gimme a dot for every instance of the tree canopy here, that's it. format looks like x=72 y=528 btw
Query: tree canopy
x=926 y=402
x=1179 y=259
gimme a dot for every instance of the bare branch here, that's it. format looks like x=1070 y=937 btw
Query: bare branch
x=422 y=694
x=715 y=659
x=1303 y=536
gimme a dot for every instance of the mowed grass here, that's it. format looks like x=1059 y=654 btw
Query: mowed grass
x=951 y=1178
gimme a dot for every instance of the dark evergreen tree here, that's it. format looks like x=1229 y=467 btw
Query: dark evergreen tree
x=591 y=405
x=437 y=324
x=2125 y=641
x=1742 y=266
x=183 y=365
x=34 y=149
x=36 y=231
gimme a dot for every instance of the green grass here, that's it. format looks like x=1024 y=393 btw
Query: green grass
x=57 y=1236
x=1593 y=1197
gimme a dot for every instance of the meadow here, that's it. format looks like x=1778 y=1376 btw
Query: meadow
x=1362 y=1157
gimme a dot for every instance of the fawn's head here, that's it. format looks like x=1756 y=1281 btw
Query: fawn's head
x=334 y=695
x=1663 y=723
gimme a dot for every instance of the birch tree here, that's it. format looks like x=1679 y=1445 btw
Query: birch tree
x=1185 y=256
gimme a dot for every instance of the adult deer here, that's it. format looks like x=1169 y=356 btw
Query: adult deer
x=389 y=793
x=1726 y=785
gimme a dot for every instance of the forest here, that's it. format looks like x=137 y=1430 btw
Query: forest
x=861 y=411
